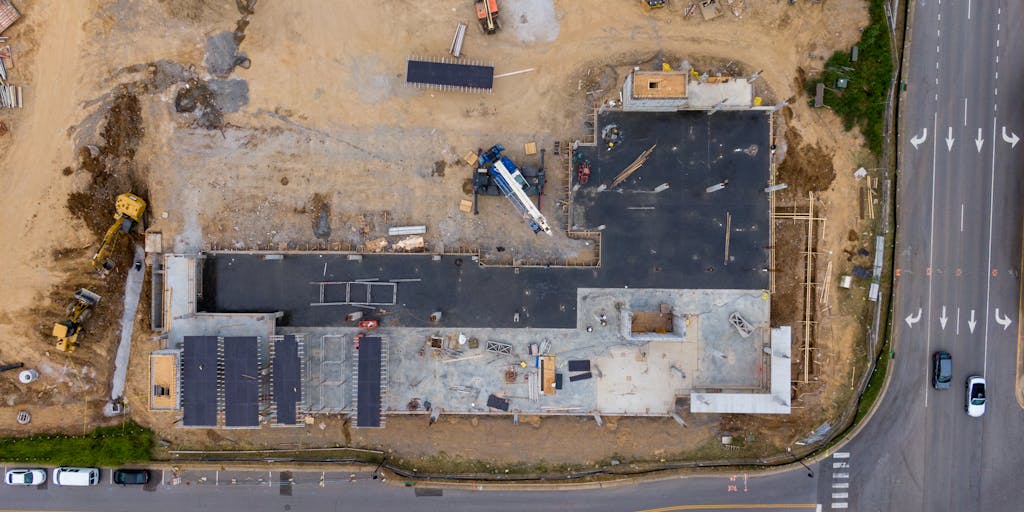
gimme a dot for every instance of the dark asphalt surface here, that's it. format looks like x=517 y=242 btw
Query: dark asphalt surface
x=341 y=493
x=958 y=252
x=671 y=239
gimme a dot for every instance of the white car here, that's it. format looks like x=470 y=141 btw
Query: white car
x=25 y=477
x=975 y=396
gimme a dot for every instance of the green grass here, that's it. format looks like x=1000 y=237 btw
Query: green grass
x=874 y=384
x=862 y=103
x=105 y=446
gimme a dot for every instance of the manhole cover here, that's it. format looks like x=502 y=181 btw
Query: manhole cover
x=24 y=417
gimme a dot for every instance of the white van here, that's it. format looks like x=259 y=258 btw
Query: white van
x=78 y=477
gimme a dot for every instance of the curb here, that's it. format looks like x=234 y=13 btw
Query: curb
x=1018 y=382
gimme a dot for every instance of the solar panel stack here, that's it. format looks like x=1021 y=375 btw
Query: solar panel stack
x=287 y=386
x=199 y=381
x=450 y=76
x=368 y=395
x=241 y=382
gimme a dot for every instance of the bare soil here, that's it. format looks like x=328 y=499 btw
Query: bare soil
x=333 y=148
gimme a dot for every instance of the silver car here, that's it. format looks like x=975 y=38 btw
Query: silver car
x=975 y=396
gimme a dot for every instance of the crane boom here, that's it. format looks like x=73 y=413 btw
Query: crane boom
x=511 y=182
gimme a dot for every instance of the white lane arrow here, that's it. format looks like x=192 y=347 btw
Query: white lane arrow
x=971 y=323
x=913 y=319
x=916 y=141
x=949 y=139
x=1004 y=321
x=1012 y=139
x=943 y=319
x=979 y=141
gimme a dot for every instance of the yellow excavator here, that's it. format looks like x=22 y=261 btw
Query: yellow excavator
x=129 y=209
x=78 y=311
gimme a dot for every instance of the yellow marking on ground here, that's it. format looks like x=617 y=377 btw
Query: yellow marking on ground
x=740 y=506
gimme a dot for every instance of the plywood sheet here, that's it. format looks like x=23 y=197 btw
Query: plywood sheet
x=655 y=84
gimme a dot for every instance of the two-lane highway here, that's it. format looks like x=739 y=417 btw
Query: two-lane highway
x=958 y=251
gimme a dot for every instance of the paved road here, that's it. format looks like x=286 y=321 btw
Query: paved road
x=958 y=254
x=261 y=491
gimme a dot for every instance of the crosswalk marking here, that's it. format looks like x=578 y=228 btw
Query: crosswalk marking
x=837 y=465
x=841 y=485
x=840 y=475
x=842 y=504
x=841 y=455
x=840 y=495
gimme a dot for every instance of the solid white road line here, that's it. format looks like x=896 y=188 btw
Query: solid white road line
x=988 y=284
x=931 y=257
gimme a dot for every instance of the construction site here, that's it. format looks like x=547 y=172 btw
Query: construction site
x=468 y=229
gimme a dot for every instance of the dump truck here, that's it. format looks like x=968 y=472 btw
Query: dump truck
x=68 y=330
x=128 y=211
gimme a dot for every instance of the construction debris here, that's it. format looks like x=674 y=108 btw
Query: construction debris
x=375 y=245
x=407 y=230
x=631 y=168
x=8 y=15
x=10 y=95
x=410 y=244
x=460 y=34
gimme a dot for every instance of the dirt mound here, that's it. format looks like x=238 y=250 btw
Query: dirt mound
x=111 y=165
x=806 y=168
x=320 y=215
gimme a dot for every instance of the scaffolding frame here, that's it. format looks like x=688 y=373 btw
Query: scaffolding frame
x=368 y=287
x=810 y=284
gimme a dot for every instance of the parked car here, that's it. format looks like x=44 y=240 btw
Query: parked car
x=76 y=477
x=942 y=370
x=975 y=396
x=131 y=476
x=25 y=477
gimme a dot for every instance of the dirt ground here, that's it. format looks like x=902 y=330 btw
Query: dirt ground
x=329 y=147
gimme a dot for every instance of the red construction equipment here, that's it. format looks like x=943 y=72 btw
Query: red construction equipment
x=368 y=324
x=487 y=14
x=583 y=172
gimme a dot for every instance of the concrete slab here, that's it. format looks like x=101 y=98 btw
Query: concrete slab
x=181 y=318
x=328 y=370
x=776 y=401
x=629 y=376
x=641 y=382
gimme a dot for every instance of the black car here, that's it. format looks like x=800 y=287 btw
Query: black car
x=942 y=370
x=131 y=476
